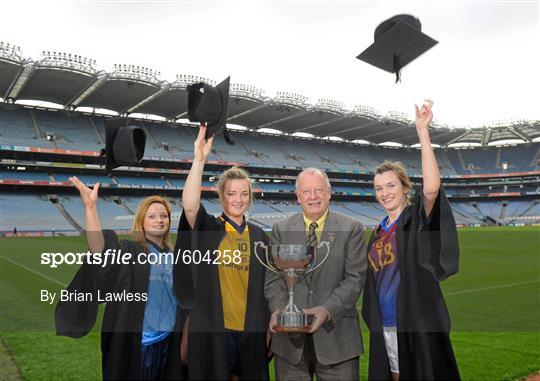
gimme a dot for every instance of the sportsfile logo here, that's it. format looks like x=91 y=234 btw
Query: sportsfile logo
x=119 y=257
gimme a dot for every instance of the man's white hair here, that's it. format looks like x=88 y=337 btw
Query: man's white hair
x=312 y=171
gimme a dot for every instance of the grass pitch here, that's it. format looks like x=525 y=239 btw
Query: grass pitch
x=494 y=303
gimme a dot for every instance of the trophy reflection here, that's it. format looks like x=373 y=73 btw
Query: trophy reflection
x=291 y=261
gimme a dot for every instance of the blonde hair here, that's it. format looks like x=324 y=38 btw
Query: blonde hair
x=137 y=231
x=234 y=173
x=399 y=169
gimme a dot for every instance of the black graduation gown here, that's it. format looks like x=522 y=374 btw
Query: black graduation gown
x=428 y=253
x=207 y=355
x=121 y=329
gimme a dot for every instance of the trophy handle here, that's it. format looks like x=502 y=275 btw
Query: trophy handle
x=326 y=256
x=264 y=263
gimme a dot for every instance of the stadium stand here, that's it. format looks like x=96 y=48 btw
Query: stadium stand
x=17 y=207
x=88 y=179
x=147 y=181
x=33 y=128
x=17 y=128
x=70 y=132
x=107 y=210
x=23 y=175
x=276 y=187
x=160 y=136
x=176 y=142
x=254 y=147
x=332 y=154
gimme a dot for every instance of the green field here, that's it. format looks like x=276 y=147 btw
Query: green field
x=494 y=303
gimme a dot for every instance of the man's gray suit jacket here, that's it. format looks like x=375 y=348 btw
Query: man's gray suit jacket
x=336 y=285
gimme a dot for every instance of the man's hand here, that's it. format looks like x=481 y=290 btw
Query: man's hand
x=320 y=316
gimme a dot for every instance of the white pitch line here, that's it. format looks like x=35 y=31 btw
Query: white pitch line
x=491 y=287
x=501 y=262
x=34 y=272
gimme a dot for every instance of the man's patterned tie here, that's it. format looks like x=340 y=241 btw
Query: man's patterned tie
x=312 y=236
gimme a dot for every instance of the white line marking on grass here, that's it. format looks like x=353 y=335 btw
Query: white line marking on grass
x=34 y=272
x=491 y=287
x=502 y=262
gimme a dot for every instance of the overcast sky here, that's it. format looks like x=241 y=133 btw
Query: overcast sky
x=485 y=68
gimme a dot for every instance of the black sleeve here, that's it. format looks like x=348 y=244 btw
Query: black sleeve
x=203 y=221
x=77 y=318
x=184 y=276
x=438 y=247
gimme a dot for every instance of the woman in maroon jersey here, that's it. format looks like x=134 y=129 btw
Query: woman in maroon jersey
x=414 y=248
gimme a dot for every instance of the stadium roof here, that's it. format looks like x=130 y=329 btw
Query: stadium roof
x=73 y=81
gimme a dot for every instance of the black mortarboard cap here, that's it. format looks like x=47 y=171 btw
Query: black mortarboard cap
x=124 y=143
x=210 y=105
x=398 y=41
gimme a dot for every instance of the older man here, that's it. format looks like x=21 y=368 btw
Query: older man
x=332 y=348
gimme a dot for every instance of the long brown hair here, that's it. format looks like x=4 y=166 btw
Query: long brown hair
x=137 y=231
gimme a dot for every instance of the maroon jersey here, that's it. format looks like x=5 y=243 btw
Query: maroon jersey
x=383 y=262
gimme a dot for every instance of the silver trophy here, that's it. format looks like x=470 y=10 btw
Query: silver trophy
x=292 y=262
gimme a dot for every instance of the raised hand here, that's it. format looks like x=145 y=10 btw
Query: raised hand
x=202 y=146
x=89 y=196
x=424 y=115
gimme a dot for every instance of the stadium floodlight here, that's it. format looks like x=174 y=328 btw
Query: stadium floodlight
x=67 y=61
x=136 y=73
x=330 y=105
x=399 y=117
x=292 y=98
x=10 y=52
x=366 y=112
x=241 y=90
x=184 y=80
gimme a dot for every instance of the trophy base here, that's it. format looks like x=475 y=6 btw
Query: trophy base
x=293 y=322
x=303 y=329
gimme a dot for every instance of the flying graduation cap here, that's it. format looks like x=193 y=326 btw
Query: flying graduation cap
x=124 y=143
x=210 y=105
x=398 y=41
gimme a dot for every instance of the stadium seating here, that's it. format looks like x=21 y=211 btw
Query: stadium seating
x=252 y=150
x=148 y=181
x=491 y=159
x=16 y=128
x=16 y=209
x=88 y=179
x=71 y=132
x=29 y=127
x=178 y=141
x=176 y=182
x=107 y=212
x=521 y=158
x=86 y=132
x=276 y=187
x=23 y=175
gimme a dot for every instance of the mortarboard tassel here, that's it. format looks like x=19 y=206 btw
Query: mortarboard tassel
x=228 y=137
x=397 y=67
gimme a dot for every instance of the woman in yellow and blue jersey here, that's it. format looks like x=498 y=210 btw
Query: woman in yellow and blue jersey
x=228 y=327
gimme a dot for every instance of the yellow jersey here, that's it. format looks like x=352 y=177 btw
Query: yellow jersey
x=234 y=251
